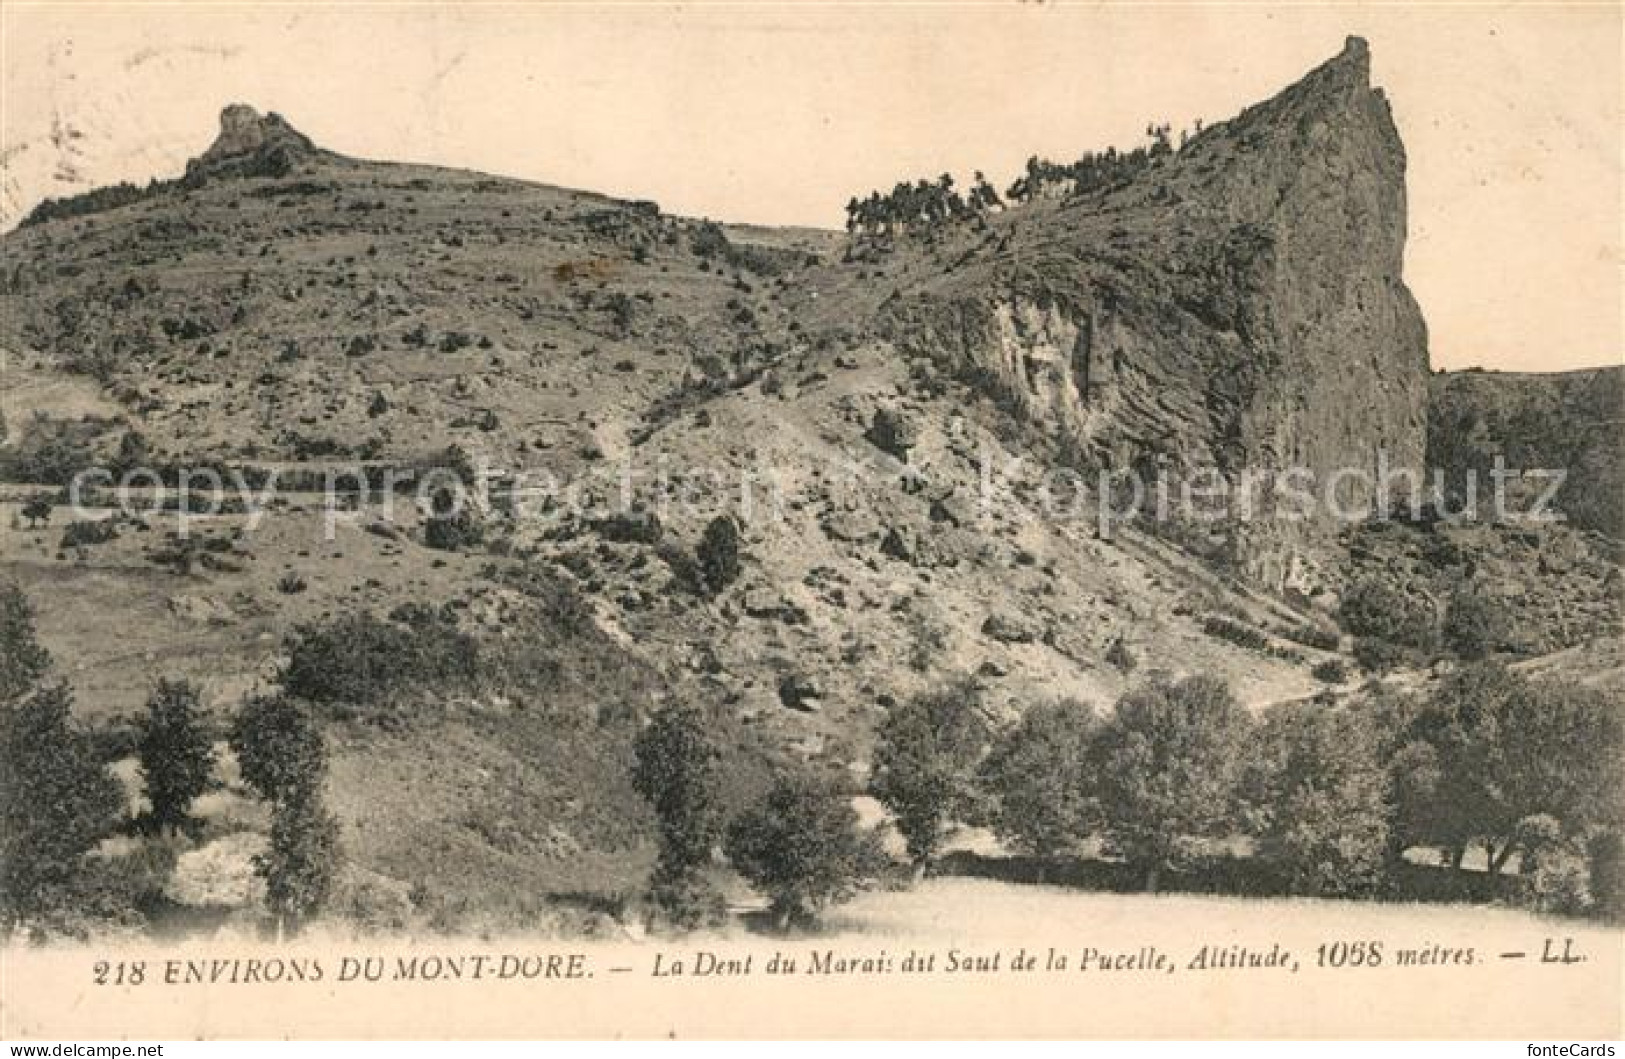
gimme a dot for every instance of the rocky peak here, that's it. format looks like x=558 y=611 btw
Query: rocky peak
x=252 y=144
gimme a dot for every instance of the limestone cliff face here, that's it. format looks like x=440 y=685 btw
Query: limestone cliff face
x=1236 y=304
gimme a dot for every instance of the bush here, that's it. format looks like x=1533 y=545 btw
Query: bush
x=1374 y=609
x=301 y=861
x=453 y=525
x=686 y=573
x=801 y=846
x=1316 y=636
x=1379 y=656
x=52 y=451
x=23 y=662
x=1235 y=632
x=686 y=899
x=634 y=527
x=1120 y=656
x=1606 y=852
x=359 y=659
x=1330 y=671
x=89 y=532
x=1474 y=625
x=1557 y=874
x=718 y=553
x=926 y=754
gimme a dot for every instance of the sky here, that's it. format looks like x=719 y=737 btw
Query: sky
x=777 y=113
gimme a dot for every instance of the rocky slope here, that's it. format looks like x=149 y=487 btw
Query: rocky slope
x=1570 y=421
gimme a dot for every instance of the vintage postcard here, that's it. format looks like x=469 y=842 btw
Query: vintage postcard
x=945 y=520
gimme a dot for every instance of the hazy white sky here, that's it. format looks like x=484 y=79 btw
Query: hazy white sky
x=777 y=113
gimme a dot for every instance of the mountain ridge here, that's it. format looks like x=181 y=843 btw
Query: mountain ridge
x=1234 y=303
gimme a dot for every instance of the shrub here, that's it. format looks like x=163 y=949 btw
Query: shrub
x=686 y=573
x=1474 y=625
x=359 y=659
x=801 y=846
x=926 y=754
x=633 y=527
x=1217 y=625
x=36 y=510
x=453 y=524
x=83 y=533
x=1316 y=636
x=175 y=752
x=1170 y=766
x=1120 y=656
x=1557 y=875
x=1374 y=609
x=718 y=553
x=1330 y=671
x=1379 y=656
x=1606 y=852
x=51 y=451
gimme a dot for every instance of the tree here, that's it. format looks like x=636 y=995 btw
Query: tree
x=57 y=802
x=1171 y=760
x=301 y=860
x=676 y=773
x=1491 y=749
x=283 y=756
x=718 y=553
x=1039 y=778
x=23 y=662
x=36 y=510
x=801 y=846
x=1318 y=797
x=175 y=752
x=926 y=754
x=279 y=749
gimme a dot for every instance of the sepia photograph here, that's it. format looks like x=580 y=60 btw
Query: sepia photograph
x=811 y=520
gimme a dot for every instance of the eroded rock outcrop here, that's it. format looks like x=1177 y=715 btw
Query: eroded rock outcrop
x=251 y=144
x=1237 y=305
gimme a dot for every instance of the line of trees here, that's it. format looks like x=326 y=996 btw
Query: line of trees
x=920 y=206
x=923 y=205
x=1329 y=797
x=1179 y=780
